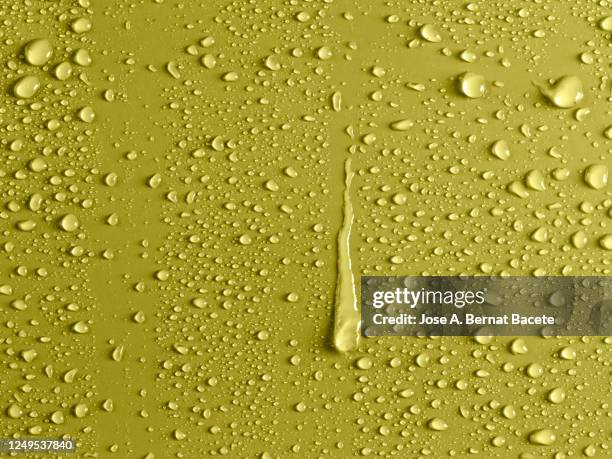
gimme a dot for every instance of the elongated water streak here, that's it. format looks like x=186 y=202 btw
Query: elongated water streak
x=346 y=313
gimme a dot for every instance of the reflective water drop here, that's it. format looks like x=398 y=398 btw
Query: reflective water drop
x=69 y=222
x=86 y=114
x=535 y=180
x=472 y=85
x=606 y=24
x=364 y=363
x=324 y=53
x=565 y=93
x=543 y=437
x=402 y=125
x=208 y=60
x=596 y=176
x=556 y=395
x=63 y=71
x=437 y=424
x=501 y=150
x=579 y=239
x=81 y=25
x=38 y=52
x=430 y=33
x=605 y=242
x=26 y=87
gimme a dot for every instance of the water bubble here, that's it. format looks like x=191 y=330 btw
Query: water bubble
x=501 y=150
x=69 y=222
x=207 y=42
x=468 y=56
x=402 y=125
x=292 y=297
x=81 y=25
x=208 y=60
x=57 y=417
x=472 y=85
x=82 y=57
x=272 y=63
x=14 y=411
x=534 y=370
x=29 y=355
x=154 y=181
x=596 y=176
x=545 y=437
x=568 y=353
x=437 y=424
x=26 y=87
x=63 y=71
x=540 y=234
x=38 y=52
x=364 y=363
x=430 y=33
x=605 y=242
x=271 y=185
x=566 y=92
x=80 y=410
x=519 y=346
x=606 y=24
x=80 y=327
x=535 y=180
x=556 y=395
x=324 y=53
x=86 y=114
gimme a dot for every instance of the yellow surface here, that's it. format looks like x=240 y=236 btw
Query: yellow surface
x=172 y=201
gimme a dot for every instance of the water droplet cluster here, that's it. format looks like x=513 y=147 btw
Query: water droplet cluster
x=173 y=185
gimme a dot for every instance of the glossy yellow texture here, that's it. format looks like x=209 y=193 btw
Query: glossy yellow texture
x=172 y=184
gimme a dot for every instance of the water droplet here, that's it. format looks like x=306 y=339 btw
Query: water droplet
x=272 y=63
x=292 y=297
x=556 y=395
x=605 y=242
x=364 y=363
x=568 y=353
x=540 y=234
x=566 y=92
x=86 y=114
x=82 y=57
x=26 y=87
x=402 y=125
x=209 y=61
x=81 y=25
x=579 y=239
x=38 y=52
x=468 y=56
x=544 y=437
x=80 y=410
x=534 y=370
x=596 y=176
x=430 y=33
x=535 y=180
x=519 y=346
x=501 y=150
x=472 y=85
x=437 y=424
x=63 y=71
x=324 y=53
x=14 y=411
x=606 y=24
x=69 y=222
x=154 y=181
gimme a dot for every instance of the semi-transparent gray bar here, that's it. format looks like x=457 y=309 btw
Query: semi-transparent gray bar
x=482 y=305
x=35 y=445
